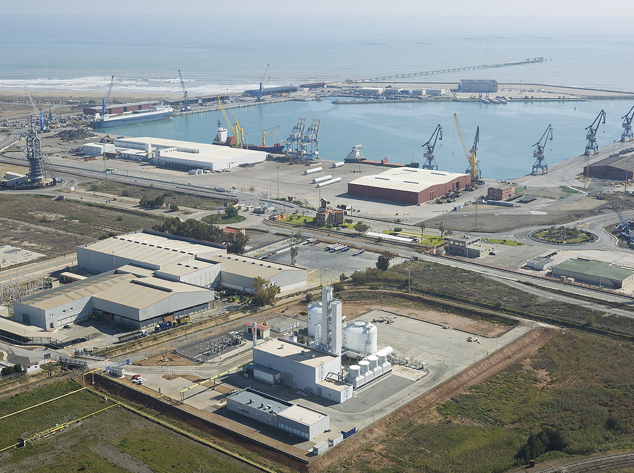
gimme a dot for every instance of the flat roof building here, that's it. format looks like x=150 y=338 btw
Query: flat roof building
x=295 y=419
x=477 y=85
x=466 y=246
x=617 y=168
x=594 y=272
x=186 y=155
x=407 y=185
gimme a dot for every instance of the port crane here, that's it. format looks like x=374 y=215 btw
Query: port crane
x=186 y=107
x=591 y=134
x=428 y=154
x=234 y=130
x=263 y=78
x=39 y=113
x=265 y=135
x=472 y=157
x=294 y=145
x=104 y=102
x=538 y=154
x=311 y=140
x=240 y=130
x=627 y=125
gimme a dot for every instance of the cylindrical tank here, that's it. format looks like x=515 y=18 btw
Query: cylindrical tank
x=338 y=164
x=360 y=337
x=374 y=361
x=327 y=183
x=314 y=317
x=313 y=170
x=322 y=179
x=383 y=354
x=364 y=366
x=354 y=371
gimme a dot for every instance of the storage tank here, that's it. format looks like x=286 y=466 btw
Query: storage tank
x=322 y=179
x=314 y=317
x=354 y=371
x=360 y=336
x=383 y=354
x=338 y=165
x=374 y=361
x=364 y=366
x=313 y=170
x=330 y=181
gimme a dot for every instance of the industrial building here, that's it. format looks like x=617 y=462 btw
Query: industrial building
x=617 y=168
x=326 y=215
x=407 y=185
x=478 y=86
x=186 y=155
x=540 y=263
x=98 y=149
x=594 y=272
x=126 y=299
x=500 y=193
x=294 y=419
x=121 y=108
x=466 y=246
x=316 y=365
x=285 y=89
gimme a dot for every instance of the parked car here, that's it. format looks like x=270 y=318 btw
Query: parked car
x=136 y=376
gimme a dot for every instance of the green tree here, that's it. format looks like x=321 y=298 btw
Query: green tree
x=422 y=230
x=174 y=207
x=398 y=229
x=442 y=230
x=296 y=240
x=191 y=229
x=231 y=212
x=348 y=221
x=361 y=227
x=383 y=262
x=338 y=287
x=236 y=242
x=309 y=297
x=264 y=292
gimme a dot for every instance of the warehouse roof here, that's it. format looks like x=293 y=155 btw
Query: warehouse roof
x=300 y=354
x=595 y=268
x=252 y=267
x=143 y=292
x=621 y=161
x=76 y=291
x=407 y=179
x=155 y=249
x=186 y=267
x=302 y=414
x=257 y=400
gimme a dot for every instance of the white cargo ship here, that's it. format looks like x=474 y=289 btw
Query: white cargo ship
x=154 y=113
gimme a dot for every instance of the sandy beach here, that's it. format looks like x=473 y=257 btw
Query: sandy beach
x=81 y=96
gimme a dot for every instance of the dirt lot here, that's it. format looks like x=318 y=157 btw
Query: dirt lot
x=169 y=358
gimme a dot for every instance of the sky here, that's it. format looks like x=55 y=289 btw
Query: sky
x=393 y=8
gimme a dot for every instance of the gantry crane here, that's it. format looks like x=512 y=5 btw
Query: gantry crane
x=265 y=135
x=186 y=107
x=471 y=155
x=104 y=102
x=538 y=154
x=231 y=127
x=39 y=113
x=627 y=125
x=591 y=134
x=428 y=154
x=294 y=145
x=263 y=79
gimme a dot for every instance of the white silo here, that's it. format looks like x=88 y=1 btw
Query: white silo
x=374 y=361
x=364 y=367
x=354 y=371
x=336 y=317
x=360 y=337
x=314 y=318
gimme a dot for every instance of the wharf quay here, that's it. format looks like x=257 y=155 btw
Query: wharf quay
x=227 y=106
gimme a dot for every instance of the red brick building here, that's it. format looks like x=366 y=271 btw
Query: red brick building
x=500 y=193
x=407 y=185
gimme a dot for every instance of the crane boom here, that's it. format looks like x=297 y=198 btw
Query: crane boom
x=265 y=135
x=471 y=155
x=538 y=154
x=429 y=151
x=231 y=127
x=240 y=130
x=104 y=102
x=186 y=106
x=39 y=113
x=627 y=125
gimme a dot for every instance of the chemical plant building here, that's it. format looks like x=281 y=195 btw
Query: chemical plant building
x=596 y=273
x=408 y=185
x=146 y=277
x=186 y=155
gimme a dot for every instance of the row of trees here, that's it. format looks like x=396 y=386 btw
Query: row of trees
x=236 y=242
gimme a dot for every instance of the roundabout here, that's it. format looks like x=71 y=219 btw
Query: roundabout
x=562 y=235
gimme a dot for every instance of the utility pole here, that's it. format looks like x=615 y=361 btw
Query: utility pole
x=409 y=278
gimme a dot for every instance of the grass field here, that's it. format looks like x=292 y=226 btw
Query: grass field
x=115 y=440
x=504 y=242
x=222 y=220
x=580 y=385
x=75 y=223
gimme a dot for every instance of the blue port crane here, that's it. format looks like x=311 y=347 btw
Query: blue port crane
x=538 y=154
x=263 y=79
x=627 y=125
x=186 y=107
x=39 y=112
x=104 y=102
x=428 y=154
x=591 y=134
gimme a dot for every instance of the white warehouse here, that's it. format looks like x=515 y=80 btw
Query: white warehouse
x=186 y=155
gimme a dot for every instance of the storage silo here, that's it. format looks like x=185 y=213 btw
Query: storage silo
x=364 y=367
x=360 y=337
x=314 y=317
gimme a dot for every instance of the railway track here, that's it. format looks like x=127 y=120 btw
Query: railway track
x=622 y=460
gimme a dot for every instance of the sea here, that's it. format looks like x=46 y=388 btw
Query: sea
x=231 y=53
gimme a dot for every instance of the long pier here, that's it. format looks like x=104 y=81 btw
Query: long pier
x=455 y=69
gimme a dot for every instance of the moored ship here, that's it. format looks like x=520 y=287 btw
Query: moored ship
x=154 y=113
